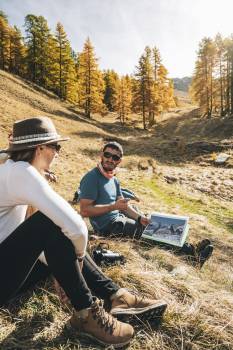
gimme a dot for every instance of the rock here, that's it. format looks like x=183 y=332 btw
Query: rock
x=153 y=163
x=143 y=165
x=221 y=158
x=203 y=164
x=228 y=183
x=170 y=179
x=215 y=182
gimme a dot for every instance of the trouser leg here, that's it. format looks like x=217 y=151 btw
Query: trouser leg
x=39 y=273
x=102 y=286
x=20 y=251
x=123 y=226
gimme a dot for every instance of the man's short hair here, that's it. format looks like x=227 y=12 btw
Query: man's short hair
x=114 y=145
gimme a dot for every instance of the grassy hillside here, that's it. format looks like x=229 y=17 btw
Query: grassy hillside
x=166 y=178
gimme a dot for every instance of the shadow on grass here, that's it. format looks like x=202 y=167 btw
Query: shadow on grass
x=30 y=332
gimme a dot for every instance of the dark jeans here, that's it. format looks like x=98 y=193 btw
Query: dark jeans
x=123 y=226
x=19 y=265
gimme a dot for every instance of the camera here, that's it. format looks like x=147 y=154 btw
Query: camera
x=107 y=257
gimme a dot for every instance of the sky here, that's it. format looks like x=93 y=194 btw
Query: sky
x=120 y=29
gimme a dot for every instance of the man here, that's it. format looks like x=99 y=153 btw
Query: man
x=102 y=201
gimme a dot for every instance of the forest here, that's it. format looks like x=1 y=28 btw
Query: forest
x=47 y=59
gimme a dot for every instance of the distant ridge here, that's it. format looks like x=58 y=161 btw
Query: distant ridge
x=182 y=84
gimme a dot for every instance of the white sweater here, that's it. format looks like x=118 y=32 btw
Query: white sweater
x=22 y=185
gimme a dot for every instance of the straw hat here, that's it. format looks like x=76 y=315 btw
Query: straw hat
x=32 y=132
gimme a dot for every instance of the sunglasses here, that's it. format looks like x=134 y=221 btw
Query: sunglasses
x=54 y=146
x=114 y=157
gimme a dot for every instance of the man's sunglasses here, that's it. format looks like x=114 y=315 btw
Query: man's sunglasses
x=114 y=157
x=54 y=146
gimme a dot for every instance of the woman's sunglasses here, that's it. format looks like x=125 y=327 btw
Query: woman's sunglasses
x=54 y=146
x=114 y=157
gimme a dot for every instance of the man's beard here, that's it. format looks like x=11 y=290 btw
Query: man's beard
x=108 y=167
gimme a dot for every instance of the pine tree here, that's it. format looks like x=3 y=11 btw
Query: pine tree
x=112 y=82
x=17 y=52
x=38 y=42
x=91 y=82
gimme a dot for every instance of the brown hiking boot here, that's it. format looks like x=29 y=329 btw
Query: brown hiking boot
x=99 y=326
x=126 y=305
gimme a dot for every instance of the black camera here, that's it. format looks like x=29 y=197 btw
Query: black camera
x=107 y=257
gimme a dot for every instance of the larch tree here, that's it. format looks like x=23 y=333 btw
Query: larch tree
x=152 y=91
x=230 y=75
x=203 y=81
x=144 y=92
x=17 y=52
x=220 y=73
x=91 y=82
x=227 y=81
x=4 y=41
x=124 y=98
x=65 y=73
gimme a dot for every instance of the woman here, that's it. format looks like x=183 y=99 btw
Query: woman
x=58 y=231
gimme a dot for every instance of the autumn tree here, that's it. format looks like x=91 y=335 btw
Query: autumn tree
x=124 y=98
x=91 y=82
x=17 y=52
x=203 y=81
x=65 y=80
x=4 y=41
x=229 y=77
x=152 y=91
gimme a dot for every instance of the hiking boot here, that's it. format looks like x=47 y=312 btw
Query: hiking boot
x=205 y=254
x=125 y=305
x=201 y=245
x=97 y=325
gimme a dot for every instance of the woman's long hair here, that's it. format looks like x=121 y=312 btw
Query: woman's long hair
x=24 y=155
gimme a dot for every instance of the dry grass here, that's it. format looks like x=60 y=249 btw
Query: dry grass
x=199 y=316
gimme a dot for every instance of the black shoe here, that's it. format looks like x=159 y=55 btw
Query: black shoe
x=205 y=254
x=201 y=245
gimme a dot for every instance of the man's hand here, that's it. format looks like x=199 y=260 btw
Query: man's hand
x=121 y=204
x=144 y=221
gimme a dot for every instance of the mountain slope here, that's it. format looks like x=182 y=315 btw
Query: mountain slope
x=199 y=315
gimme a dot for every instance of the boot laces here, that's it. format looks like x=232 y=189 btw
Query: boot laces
x=138 y=298
x=104 y=319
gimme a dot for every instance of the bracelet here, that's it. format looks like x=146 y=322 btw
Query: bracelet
x=139 y=219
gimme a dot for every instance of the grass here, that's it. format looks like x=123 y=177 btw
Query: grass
x=200 y=303
x=217 y=213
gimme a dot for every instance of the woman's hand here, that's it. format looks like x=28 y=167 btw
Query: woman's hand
x=50 y=176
